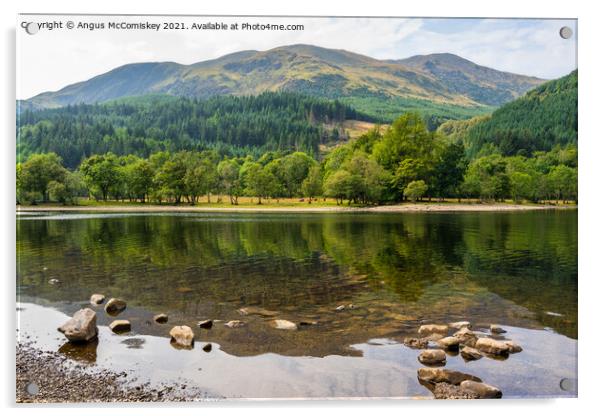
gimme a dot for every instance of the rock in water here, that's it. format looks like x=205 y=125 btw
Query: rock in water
x=496 y=329
x=234 y=324
x=284 y=324
x=432 y=357
x=460 y=325
x=513 y=346
x=115 y=306
x=434 y=337
x=418 y=343
x=492 y=346
x=449 y=343
x=120 y=325
x=450 y=392
x=254 y=310
x=182 y=336
x=430 y=329
x=466 y=337
x=470 y=354
x=97 y=299
x=482 y=390
x=207 y=348
x=82 y=327
x=161 y=318
x=441 y=375
x=206 y=324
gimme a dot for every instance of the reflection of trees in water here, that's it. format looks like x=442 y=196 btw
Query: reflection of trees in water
x=529 y=258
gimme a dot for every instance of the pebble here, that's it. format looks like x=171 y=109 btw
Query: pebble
x=161 y=318
x=206 y=324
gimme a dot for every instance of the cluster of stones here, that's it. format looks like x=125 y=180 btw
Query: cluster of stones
x=82 y=326
x=435 y=342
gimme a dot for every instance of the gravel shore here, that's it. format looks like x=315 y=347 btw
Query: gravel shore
x=56 y=379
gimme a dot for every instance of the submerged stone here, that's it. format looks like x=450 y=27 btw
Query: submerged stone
x=115 y=306
x=120 y=325
x=441 y=375
x=496 y=329
x=418 y=343
x=430 y=329
x=284 y=324
x=460 y=325
x=161 y=318
x=206 y=324
x=97 y=299
x=234 y=324
x=254 y=310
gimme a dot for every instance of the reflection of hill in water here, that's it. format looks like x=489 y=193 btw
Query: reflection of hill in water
x=397 y=269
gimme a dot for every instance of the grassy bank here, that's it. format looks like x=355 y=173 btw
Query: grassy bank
x=290 y=205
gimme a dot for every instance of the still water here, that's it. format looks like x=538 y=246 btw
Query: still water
x=398 y=271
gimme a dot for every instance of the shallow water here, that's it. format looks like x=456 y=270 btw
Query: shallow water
x=397 y=270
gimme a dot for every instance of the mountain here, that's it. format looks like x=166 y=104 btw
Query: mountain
x=545 y=117
x=442 y=85
x=479 y=83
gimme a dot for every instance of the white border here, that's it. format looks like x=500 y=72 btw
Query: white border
x=590 y=150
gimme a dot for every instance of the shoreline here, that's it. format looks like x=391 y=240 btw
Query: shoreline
x=57 y=379
x=423 y=207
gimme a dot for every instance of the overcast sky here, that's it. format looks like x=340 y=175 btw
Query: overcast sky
x=52 y=59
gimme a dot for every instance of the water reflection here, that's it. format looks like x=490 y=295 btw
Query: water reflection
x=399 y=270
x=78 y=351
x=134 y=343
x=381 y=368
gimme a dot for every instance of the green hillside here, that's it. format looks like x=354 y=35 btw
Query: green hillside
x=481 y=84
x=384 y=89
x=144 y=125
x=543 y=118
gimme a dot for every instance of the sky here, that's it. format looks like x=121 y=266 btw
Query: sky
x=52 y=59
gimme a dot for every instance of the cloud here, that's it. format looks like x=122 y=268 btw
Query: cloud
x=50 y=60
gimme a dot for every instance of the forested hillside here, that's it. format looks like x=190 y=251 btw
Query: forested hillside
x=141 y=126
x=403 y=162
x=543 y=118
x=163 y=148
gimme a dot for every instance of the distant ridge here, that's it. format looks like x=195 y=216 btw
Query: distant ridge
x=440 y=79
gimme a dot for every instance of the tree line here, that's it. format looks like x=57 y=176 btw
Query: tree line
x=406 y=161
x=141 y=126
